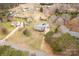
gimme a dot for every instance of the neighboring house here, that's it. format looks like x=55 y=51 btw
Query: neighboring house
x=41 y=27
x=64 y=29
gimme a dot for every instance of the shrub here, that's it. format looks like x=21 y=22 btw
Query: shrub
x=48 y=36
x=73 y=14
x=4 y=30
x=26 y=32
x=46 y=3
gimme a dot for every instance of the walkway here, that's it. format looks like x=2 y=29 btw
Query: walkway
x=10 y=34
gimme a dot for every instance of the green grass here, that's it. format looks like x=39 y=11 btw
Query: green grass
x=2 y=36
x=7 y=25
x=8 y=51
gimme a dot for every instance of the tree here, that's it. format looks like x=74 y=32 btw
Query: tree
x=63 y=44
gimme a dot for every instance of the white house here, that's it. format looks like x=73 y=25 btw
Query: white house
x=41 y=27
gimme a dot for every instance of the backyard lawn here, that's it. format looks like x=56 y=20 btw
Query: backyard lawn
x=33 y=41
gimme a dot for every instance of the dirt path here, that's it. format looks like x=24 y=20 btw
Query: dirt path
x=46 y=48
